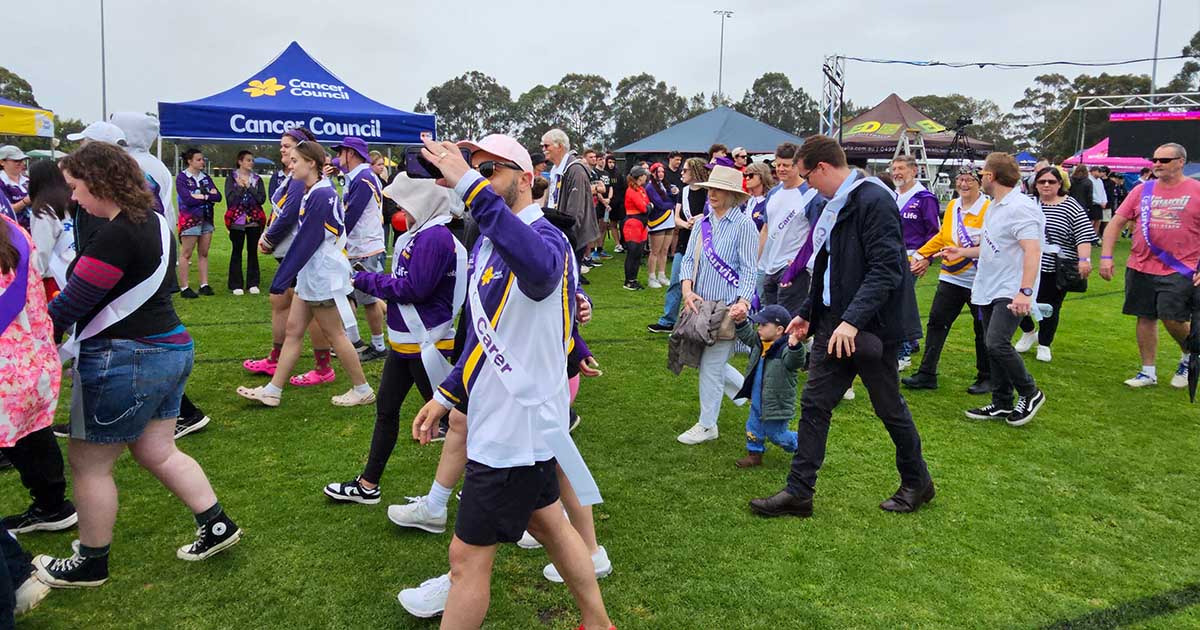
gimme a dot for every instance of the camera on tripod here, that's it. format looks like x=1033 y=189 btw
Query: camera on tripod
x=963 y=121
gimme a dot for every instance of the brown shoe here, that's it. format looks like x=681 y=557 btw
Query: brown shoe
x=782 y=503
x=909 y=499
x=749 y=461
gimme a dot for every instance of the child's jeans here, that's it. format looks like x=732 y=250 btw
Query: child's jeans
x=759 y=432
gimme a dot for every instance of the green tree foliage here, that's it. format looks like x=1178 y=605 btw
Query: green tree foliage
x=990 y=124
x=470 y=106
x=14 y=88
x=578 y=104
x=1043 y=120
x=1188 y=79
x=644 y=106
x=774 y=101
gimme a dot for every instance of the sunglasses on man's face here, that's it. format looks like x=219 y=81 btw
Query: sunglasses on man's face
x=1158 y=160
x=739 y=157
x=488 y=168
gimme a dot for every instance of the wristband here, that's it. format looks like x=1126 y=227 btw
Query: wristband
x=1106 y=258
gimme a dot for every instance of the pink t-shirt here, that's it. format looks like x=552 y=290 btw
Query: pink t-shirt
x=1174 y=226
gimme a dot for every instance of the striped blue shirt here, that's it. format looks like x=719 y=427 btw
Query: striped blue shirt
x=735 y=240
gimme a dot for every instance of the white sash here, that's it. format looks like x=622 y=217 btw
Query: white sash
x=61 y=257
x=829 y=216
x=902 y=199
x=530 y=391
x=781 y=226
x=436 y=365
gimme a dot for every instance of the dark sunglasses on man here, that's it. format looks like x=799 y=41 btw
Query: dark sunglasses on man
x=488 y=168
x=1157 y=160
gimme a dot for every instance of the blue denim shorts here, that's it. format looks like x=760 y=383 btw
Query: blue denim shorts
x=125 y=384
x=199 y=230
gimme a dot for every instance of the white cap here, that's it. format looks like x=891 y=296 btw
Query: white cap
x=11 y=152
x=100 y=131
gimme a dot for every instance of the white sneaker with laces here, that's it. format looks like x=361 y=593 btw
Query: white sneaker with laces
x=1043 y=354
x=238 y=292
x=653 y=283
x=849 y=395
x=1141 y=379
x=254 y=291
x=663 y=279
x=428 y=599
x=528 y=541
x=904 y=363
x=417 y=515
x=697 y=434
x=1180 y=379
x=1026 y=341
x=599 y=560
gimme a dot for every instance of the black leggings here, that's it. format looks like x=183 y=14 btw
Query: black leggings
x=633 y=259
x=39 y=460
x=1048 y=293
x=249 y=237
x=399 y=375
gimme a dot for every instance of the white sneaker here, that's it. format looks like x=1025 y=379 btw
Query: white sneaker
x=697 y=434
x=1026 y=341
x=1180 y=379
x=238 y=292
x=417 y=515
x=428 y=599
x=353 y=399
x=32 y=591
x=585 y=269
x=653 y=283
x=849 y=395
x=599 y=561
x=528 y=541
x=663 y=279
x=1043 y=354
x=1141 y=379
x=904 y=363
x=254 y=291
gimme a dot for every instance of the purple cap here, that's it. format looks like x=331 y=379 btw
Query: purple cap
x=358 y=145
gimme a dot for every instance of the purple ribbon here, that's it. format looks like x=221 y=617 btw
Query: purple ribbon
x=710 y=254
x=1166 y=257
x=12 y=301
x=966 y=239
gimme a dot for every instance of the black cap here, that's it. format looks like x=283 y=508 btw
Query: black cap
x=538 y=158
x=772 y=314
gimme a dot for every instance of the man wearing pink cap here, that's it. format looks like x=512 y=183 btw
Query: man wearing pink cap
x=511 y=378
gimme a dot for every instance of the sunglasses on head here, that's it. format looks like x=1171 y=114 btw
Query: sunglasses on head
x=488 y=168
x=1158 y=160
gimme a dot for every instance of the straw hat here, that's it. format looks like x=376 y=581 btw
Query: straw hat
x=727 y=179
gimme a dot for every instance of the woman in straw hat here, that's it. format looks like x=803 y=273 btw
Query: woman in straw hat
x=719 y=265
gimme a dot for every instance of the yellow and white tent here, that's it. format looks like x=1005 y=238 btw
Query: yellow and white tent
x=25 y=120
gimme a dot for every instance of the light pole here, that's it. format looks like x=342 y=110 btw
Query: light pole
x=721 y=58
x=103 y=78
x=1154 y=64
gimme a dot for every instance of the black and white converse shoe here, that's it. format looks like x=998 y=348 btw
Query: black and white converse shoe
x=191 y=424
x=36 y=519
x=212 y=538
x=988 y=412
x=73 y=572
x=1026 y=409
x=352 y=492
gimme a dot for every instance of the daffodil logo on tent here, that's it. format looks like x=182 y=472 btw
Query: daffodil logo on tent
x=257 y=88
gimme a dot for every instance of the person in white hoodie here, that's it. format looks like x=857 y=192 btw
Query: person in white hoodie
x=141 y=130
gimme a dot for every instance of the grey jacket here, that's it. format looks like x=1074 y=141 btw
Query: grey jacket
x=693 y=333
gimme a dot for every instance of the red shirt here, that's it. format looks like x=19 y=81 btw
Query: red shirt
x=636 y=201
x=1174 y=226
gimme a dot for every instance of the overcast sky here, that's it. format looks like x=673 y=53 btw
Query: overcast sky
x=394 y=51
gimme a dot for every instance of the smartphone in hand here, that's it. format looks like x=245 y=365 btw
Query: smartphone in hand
x=418 y=167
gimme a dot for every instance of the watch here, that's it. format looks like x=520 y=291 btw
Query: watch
x=1026 y=291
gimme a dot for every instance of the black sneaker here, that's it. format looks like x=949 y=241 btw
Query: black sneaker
x=989 y=412
x=920 y=380
x=73 y=572
x=659 y=328
x=584 y=281
x=369 y=354
x=206 y=290
x=212 y=538
x=185 y=426
x=631 y=285
x=575 y=420
x=188 y=294
x=1026 y=409
x=979 y=387
x=36 y=519
x=352 y=492
x=61 y=430
x=443 y=429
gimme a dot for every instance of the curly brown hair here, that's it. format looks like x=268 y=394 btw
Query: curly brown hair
x=111 y=174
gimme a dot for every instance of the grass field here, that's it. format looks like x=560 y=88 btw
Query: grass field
x=1086 y=518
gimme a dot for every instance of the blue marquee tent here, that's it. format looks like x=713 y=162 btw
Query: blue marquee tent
x=721 y=125
x=293 y=90
x=1025 y=158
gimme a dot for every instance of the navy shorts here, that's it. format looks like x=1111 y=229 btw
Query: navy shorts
x=125 y=384
x=497 y=503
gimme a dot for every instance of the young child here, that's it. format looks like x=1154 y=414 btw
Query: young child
x=770 y=382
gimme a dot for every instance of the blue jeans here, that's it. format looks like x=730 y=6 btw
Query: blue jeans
x=759 y=432
x=674 y=294
x=125 y=384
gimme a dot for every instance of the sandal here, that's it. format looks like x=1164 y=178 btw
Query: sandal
x=312 y=377
x=260 y=366
x=259 y=394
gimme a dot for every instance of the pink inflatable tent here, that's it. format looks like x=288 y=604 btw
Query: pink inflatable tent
x=1098 y=156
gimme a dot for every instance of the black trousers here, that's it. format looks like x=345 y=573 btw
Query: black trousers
x=790 y=297
x=39 y=461
x=633 y=259
x=948 y=302
x=1048 y=293
x=399 y=375
x=249 y=236
x=828 y=380
x=1008 y=368
x=14 y=570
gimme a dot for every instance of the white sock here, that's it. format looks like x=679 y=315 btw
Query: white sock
x=1185 y=357
x=270 y=388
x=352 y=334
x=1150 y=370
x=377 y=342
x=438 y=498
x=365 y=388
